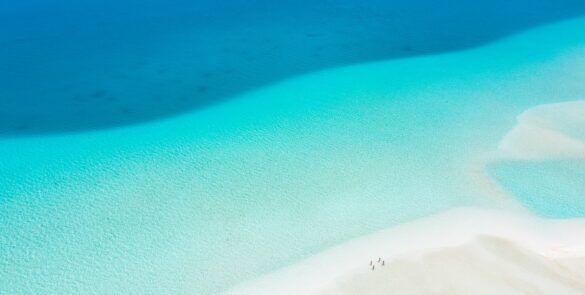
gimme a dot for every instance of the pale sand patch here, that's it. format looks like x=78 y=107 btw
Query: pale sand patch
x=543 y=133
x=462 y=251
x=485 y=265
x=507 y=255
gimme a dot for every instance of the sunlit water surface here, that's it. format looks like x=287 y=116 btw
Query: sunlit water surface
x=194 y=204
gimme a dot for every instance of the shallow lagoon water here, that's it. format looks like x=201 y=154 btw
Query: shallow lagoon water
x=553 y=189
x=197 y=203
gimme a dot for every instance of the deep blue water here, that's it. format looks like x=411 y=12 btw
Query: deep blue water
x=78 y=65
x=199 y=203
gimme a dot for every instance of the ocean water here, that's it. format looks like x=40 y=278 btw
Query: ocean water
x=199 y=202
x=553 y=189
x=83 y=65
x=546 y=168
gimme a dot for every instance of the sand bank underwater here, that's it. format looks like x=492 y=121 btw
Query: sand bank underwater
x=199 y=203
x=468 y=249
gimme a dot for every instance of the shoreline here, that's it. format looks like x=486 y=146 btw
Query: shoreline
x=467 y=230
x=206 y=201
x=508 y=250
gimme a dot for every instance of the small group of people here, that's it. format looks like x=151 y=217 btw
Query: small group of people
x=380 y=261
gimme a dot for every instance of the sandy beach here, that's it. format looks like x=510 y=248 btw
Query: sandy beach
x=488 y=251
x=451 y=253
x=436 y=166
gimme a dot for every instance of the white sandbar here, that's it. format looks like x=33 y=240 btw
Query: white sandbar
x=464 y=249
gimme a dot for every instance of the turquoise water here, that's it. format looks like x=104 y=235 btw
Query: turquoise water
x=554 y=189
x=547 y=176
x=71 y=65
x=197 y=203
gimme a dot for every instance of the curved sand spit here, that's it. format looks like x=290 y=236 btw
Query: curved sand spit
x=487 y=251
